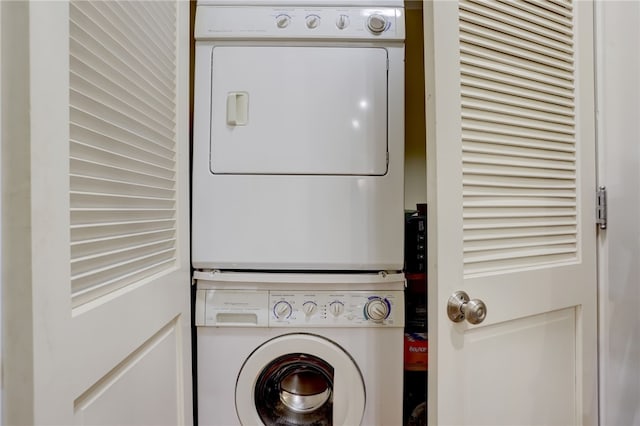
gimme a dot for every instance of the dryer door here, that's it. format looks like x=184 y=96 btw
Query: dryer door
x=299 y=110
x=300 y=379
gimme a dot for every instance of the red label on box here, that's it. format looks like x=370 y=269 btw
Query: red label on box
x=416 y=352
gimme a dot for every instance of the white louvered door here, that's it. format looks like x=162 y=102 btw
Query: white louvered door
x=511 y=188
x=104 y=250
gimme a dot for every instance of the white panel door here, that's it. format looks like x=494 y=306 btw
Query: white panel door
x=97 y=191
x=299 y=110
x=511 y=185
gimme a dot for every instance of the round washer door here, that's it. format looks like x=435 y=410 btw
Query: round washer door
x=300 y=379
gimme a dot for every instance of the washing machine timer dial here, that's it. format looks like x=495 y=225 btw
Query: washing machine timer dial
x=309 y=308
x=282 y=310
x=336 y=308
x=377 y=309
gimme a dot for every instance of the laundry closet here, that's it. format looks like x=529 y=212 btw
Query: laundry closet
x=98 y=267
x=297 y=212
x=509 y=91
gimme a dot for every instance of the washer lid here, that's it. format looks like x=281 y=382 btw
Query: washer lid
x=300 y=379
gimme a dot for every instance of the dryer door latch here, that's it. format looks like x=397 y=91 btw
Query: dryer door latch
x=237 y=108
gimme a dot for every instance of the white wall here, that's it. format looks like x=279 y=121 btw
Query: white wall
x=1 y=258
x=1 y=287
x=618 y=75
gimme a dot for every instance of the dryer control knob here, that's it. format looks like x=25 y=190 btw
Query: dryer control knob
x=283 y=21
x=377 y=309
x=377 y=23
x=342 y=22
x=282 y=310
x=313 y=21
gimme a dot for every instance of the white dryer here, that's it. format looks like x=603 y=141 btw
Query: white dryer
x=299 y=349
x=298 y=156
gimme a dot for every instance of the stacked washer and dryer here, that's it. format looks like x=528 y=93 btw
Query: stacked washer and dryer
x=297 y=212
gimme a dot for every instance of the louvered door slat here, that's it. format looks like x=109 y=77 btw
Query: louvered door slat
x=497 y=106
x=552 y=230
x=100 y=246
x=123 y=144
x=522 y=42
x=480 y=135
x=126 y=41
x=109 y=226
x=103 y=70
x=488 y=146
x=483 y=51
x=565 y=6
x=488 y=14
x=118 y=153
x=89 y=20
x=528 y=75
x=156 y=49
x=507 y=99
x=87 y=40
x=117 y=187
x=118 y=276
x=119 y=118
x=90 y=216
x=101 y=171
x=81 y=199
x=117 y=90
x=518 y=135
x=512 y=80
x=540 y=19
x=468 y=39
x=154 y=46
x=109 y=131
x=536 y=138
x=91 y=91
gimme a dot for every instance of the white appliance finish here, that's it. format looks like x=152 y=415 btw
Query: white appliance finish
x=298 y=138
x=242 y=328
x=310 y=3
x=312 y=134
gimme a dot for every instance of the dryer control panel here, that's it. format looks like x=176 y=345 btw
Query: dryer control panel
x=299 y=308
x=259 y=22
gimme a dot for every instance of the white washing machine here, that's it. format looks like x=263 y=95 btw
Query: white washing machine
x=299 y=349
x=298 y=156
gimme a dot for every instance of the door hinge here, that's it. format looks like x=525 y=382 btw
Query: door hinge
x=601 y=207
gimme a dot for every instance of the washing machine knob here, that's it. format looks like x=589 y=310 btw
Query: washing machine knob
x=282 y=310
x=377 y=23
x=309 y=308
x=377 y=309
x=336 y=308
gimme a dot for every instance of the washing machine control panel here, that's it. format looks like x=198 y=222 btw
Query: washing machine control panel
x=294 y=308
x=336 y=308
